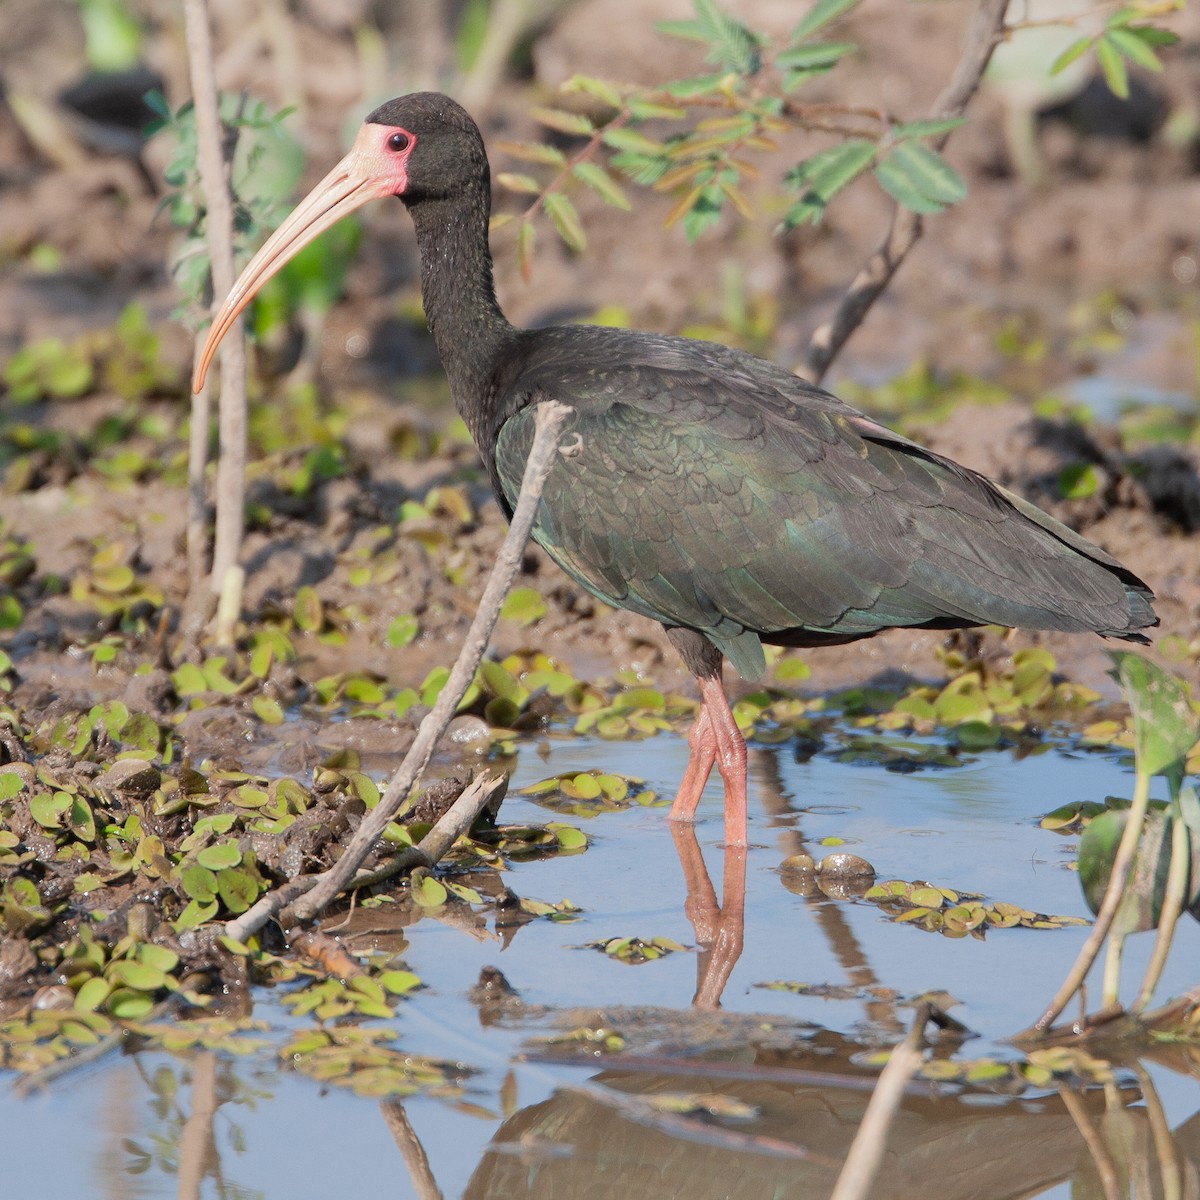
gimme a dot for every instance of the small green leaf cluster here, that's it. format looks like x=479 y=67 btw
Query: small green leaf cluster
x=125 y=359
x=1127 y=38
x=635 y=950
x=113 y=587
x=915 y=176
x=954 y=913
x=364 y=995
x=360 y=1059
x=706 y=160
x=589 y=793
x=266 y=167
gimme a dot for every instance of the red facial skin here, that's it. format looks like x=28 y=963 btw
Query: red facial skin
x=376 y=166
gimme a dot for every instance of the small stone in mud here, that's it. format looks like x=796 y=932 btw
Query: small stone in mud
x=844 y=876
x=845 y=866
x=799 y=862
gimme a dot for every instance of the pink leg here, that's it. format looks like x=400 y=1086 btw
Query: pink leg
x=703 y=744
x=731 y=758
x=715 y=739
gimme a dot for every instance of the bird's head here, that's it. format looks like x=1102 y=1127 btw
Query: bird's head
x=418 y=147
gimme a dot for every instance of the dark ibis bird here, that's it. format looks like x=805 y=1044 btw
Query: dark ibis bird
x=715 y=492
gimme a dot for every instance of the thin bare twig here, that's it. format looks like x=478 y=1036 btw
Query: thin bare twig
x=450 y=827
x=1178 y=877
x=984 y=33
x=1102 y=1159
x=866 y=1151
x=218 y=202
x=453 y=823
x=1122 y=864
x=317 y=891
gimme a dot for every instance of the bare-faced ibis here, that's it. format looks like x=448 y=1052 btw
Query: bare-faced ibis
x=715 y=492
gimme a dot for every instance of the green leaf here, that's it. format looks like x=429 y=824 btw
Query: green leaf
x=602 y=184
x=1141 y=901
x=650 y=110
x=399 y=982
x=825 y=174
x=600 y=88
x=1112 y=65
x=199 y=883
x=820 y=15
x=11 y=613
x=500 y=682
x=1078 y=481
x=219 y=857
x=569 y=838
x=919 y=179
x=814 y=56
x=195 y=913
x=1133 y=47
x=563 y=122
x=83 y=823
x=142 y=977
x=523 y=605
x=129 y=1005
x=1164 y=726
x=565 y=220
x=537 y=152
x=696 y=85
x=930 y=128
x=307 y=611
x=517 y=182
x=11 y=784
x=427 y=891
x=161 y=957
x=1075 y=50
x=49 y=808
x=268 y=710
x=92 y=994
x=189 y=680
x=402 y=631
x=526 y=237
x=631 y=141
x=238 y=890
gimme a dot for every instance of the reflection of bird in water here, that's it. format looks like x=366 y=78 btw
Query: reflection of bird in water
x=712 y=491
x=623 y=1147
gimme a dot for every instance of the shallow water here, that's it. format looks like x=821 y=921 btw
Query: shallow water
x=531 y=1127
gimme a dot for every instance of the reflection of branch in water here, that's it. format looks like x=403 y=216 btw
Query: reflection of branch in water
x=830 y=917
x=1131 y=1144
x=198 y=1155
x=1169 y=1165
x=866 y=1150
x=415 y=1159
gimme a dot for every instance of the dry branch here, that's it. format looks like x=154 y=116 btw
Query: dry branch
x=315 y=892
x=218 y=225
x=1113 y=895
x=984 y=34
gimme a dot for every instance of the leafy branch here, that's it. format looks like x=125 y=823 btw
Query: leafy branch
x=1127 y=37
x=725 y=117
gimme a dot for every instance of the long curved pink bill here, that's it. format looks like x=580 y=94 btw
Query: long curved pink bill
x=361 y=176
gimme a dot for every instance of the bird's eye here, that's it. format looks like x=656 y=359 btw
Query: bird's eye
x=398 y=142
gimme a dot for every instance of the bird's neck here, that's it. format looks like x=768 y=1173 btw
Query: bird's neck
x=473 y=336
